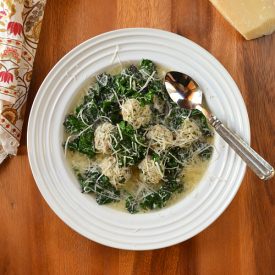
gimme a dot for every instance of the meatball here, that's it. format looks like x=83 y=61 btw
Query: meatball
x=150 y=171
x=102 y=137
x=188 y=132
x=117 y=175
x=135 y=114
x=161 y=137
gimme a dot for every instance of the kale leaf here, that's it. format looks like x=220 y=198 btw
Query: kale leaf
x=83 y=143
x=159 y=198
x=97 y=104
x=131 y=205
x=148 y=66
x=204 y=149
x=73 y=125
x=174 y=160
x=81 y=140
x=92 y=181
x=201 y=121
x=134 y=82
x=176 y=116
x=128 y=145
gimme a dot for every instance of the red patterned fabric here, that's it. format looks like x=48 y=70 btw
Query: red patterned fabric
x=20 y=24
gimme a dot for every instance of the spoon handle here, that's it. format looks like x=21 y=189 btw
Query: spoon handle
x=261 y=167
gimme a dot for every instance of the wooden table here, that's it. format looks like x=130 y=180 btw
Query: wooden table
x=33 y=240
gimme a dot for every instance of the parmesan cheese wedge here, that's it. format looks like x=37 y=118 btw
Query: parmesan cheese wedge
x=252 y=18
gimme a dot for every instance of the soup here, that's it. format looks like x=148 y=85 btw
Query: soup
x=130 y=145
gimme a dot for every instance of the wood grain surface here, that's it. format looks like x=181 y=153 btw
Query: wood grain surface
x=33 y=240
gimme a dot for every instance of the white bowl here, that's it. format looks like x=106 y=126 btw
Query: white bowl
x=60 y=188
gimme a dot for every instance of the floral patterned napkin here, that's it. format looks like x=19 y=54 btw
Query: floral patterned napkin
x=20 y=24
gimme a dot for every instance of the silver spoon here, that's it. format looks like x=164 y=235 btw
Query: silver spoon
x=184 y=91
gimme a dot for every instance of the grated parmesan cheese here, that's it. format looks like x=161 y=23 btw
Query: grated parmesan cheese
x=151 y=171
x=103 y=137
x=135 y=114
x=161 y=137
x=117 y=175
x=188 y=132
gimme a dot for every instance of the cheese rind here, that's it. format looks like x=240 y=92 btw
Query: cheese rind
x=252 y=18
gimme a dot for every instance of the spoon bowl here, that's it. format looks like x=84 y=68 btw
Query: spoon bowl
x=183 y=90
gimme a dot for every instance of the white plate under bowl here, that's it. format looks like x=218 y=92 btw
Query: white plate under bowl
x=56 y=181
